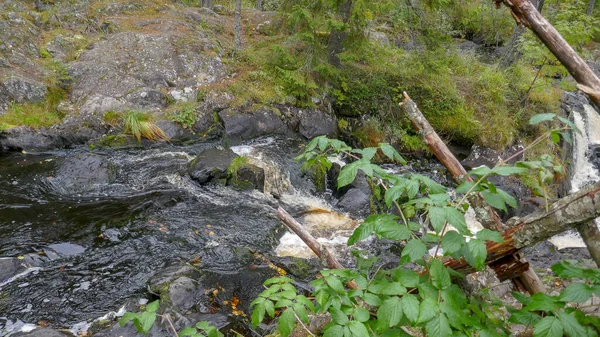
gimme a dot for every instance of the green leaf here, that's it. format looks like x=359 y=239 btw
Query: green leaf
x=287 y=322
x=128 y=316
x=334 y=331
x=465 y=187
x=335 y=284
x=338 y=316
x=414 y=249
x=394 y=231
x=495 y=200
x=301 y=312
x=438 y=327
x=187 y=331
x=571 y=327
x=432 y=186
x=361 y=314
x=480 y=171
x=372 y=299
x=509 y=199
x=569 y=123
x=323 y=142
x=363 y=231
x=576 y=292
x=475 y=253
x=440 y=278
x=393 y=194
x=347 y=174
x=146 y=320
x=437 y=217
x=410 y=307
x=567 y=137
x=452 y=242
x=489 y=235
x=457 y=219
x=555 y=135
x=524 y=317
x=394 y=288
x=153 y=306
x=358 y=329
x=548 y=327
x=269 y=308
x=391 y=153
x=368 y=153
x=509 y=170
x=427 y=310
x=407 y=278
x=390 y=312
x=258 y=314
x=278 y=280
x=542 y=302
x=539 y=118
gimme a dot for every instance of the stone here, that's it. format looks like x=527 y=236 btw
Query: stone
x=248 y=176
x=379 y=37
x=175 y=132
x=355 y=202
x=160 y=281
x=24 y=138
x=315 y=123
x=24 y=90
x=184 y=293
x=211 y=164
x=243 y=125
x=10 y=267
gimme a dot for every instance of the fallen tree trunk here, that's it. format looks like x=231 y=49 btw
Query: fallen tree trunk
x=526 y=14
x=321 y=251
x=569 y=212
x=523 y=277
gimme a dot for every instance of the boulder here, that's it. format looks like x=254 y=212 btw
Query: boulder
x=175 y=132
x=315 y=123
x=23 y=90
x=184 y=293
x=480 y=156
x=247 y=176
x=160 y=282
x=243 y=125
x=26 y=138
x=355 y=202
x=211 y=164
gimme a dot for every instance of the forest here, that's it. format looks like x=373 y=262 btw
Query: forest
x=346 y=168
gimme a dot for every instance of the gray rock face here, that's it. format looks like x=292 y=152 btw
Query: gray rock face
x=315 y=123
x=171 y=56
x=21 y=90
x=160 y=282
x=211 y=164
x=243 y=125
x=489 y=157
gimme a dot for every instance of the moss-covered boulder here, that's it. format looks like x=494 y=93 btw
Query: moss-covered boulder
x=244 y=175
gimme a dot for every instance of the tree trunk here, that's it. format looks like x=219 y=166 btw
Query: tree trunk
x=206 y=3
x=525 y=280
x=591 y=236
x=237 y=33
x=337 y=37
x=526 y=14
x=512 y=52
x=259 y=5
x=574 y=210
x=590 y=7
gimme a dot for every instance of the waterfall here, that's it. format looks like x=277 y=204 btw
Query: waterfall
x=583 y=170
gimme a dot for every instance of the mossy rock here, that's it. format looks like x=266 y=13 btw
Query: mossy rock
x=119 y=140
x=243 y=175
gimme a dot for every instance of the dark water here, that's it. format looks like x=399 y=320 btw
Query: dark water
x=97 y=245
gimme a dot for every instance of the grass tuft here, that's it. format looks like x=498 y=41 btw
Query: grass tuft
x=139 y=124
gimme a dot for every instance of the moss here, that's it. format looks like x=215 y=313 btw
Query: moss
x=232 y=174
x=119 y=140
x=319 y=176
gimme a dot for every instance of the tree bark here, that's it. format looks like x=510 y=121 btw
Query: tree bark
x=591 y=237
x=526 y=279
x=237 y=30
x=590 y=7
x=321 y=251
x=259 y=5
x=206 y=3
x=526 y=14
x=337 y=37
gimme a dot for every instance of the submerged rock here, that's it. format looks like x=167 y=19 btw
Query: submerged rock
x=43 y=332
x=10 y=267
x=82 y=172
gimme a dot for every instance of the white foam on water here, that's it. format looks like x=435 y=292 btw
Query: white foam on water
x=19 y=275
x=584 y=171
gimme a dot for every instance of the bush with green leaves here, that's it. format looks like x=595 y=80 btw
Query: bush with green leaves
x=419 y=294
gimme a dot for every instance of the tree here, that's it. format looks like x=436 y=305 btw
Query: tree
x=590 y=7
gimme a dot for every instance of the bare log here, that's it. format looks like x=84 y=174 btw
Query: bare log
x=570 y=212
x=321 y=251
x=523 y=277
x=526 y=14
